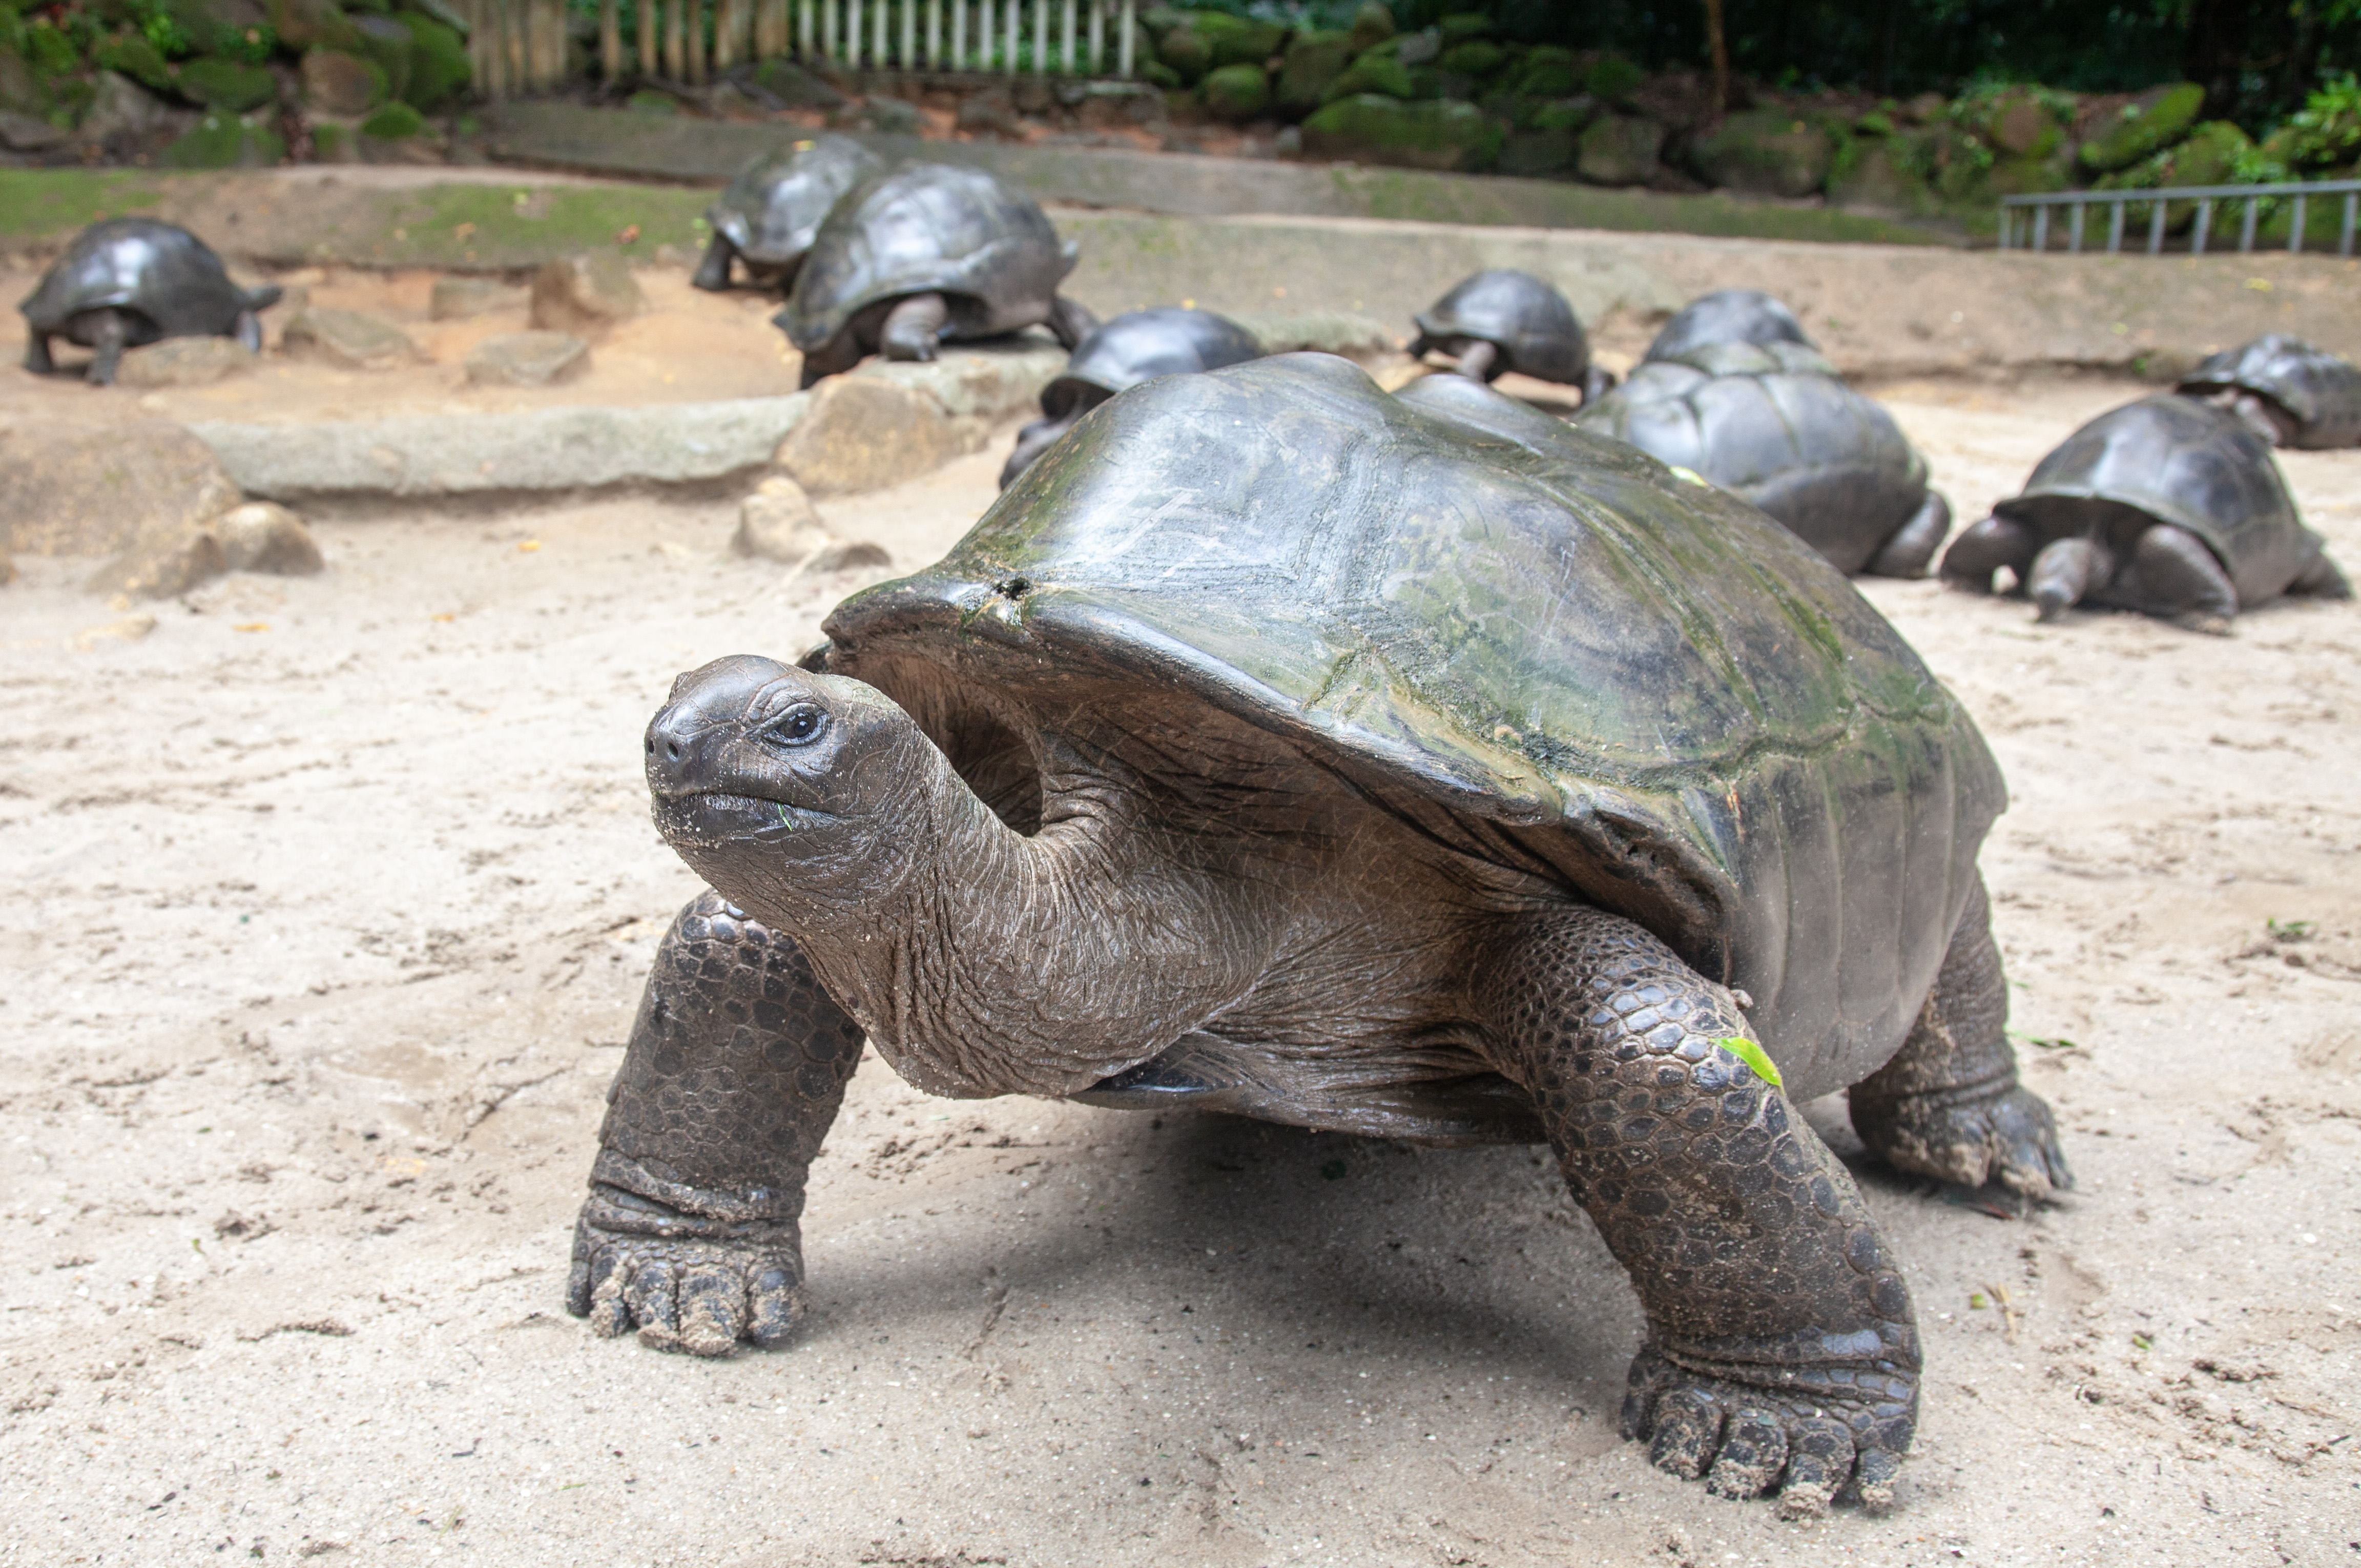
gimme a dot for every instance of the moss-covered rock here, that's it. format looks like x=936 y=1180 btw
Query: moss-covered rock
x=1537 y=153
x=1315 y=60
x=1186 y=53
x=1373 y=24
x=385 y=40
x=2018 y=124
x=2147 y=125
x=1612 y=79
x=130 y=54
x=48 y=49
x=227 y=86
x=396 y=122
x=1567 y=114
x=226 y=141
x=2207 y=156
x=1374 y=129
x=335 y=83
x=1765 y=152
x=1461 y=26
x=1549 y=73
x=1479 y=59
x=21 y=92
x=1237 y=92
x=1621 y=149
x=1377 y=70
x=1874 y=175
x=312 y=24
x=439 y=68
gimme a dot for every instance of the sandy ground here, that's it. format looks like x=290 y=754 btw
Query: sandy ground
x=330 y=900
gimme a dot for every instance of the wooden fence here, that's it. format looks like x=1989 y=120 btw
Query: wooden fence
x=521 y=46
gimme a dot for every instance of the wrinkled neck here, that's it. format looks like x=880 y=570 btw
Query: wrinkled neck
x=1006 y=963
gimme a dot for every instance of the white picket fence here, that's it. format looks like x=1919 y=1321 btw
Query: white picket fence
x=520 y=45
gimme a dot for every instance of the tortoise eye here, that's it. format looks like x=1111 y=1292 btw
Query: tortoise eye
x=799 y=726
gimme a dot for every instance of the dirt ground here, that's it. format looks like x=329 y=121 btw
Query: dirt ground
x=333 y=897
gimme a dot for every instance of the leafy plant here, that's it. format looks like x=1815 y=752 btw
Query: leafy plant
x=162 y=29
x=2327 y=130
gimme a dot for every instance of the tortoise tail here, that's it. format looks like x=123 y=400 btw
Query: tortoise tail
x=263 y=298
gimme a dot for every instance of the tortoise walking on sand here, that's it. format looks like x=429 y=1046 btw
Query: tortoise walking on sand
x=2168 y=505
x=926 y=255
x=1499 y=320
x=768 y=215
x=1407 y=766
x=2289 y=392
x=1774 y=423
x=126 y=282
x=1121 y=354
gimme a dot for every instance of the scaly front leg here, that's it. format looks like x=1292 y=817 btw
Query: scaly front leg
x=1782 y=1350
x=735 y=1068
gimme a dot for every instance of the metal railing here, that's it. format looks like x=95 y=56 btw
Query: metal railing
x=2203 y=198
x=521 y=45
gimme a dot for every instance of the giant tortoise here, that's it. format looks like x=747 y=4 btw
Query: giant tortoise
x=128 y=281
x=1773 y=423
x=2168 y=505
x=1728 y=316
x=1122 y=353
x=1407 y=766
x=1503 y=320
x=2292 y=393
x=928 y=255
x=768 y=215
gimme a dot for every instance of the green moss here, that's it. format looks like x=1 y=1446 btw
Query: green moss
x=1237 y=92
x=439 y=70
x=226 y=141
x=1314 y=60
x=130 y=54
x=2148 y=124
x=1442 y=134
x=396 y=122
x=1479 y=59
x=1376 y=71
x=1612 y=79
x=48 y=49
x=648 y=100
x=227 y=86
x=39 y=202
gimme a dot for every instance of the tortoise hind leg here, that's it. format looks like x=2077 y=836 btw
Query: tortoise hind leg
x=735 y=1067
x=2173 y=574
x=37 y=353
x=1983 y=549
x=914 y=327
x=1913 y=544
x=1069 y=322
x=2324 y=579
x=1949 y=1105
x=1782 y=1351
x=712 y=273
x=109 y=337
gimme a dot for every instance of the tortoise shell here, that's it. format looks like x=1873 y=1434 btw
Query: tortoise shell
x=1773 y=424
x=2318 y=393
x=1728 y=316
x=1537 y=645
x=771 y=212
x=157 y=272
x=2173 y=459
x=1529 y=321
x=1140 y=345
x=985 y=247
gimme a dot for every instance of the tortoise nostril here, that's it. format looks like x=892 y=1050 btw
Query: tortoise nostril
x=672 y=751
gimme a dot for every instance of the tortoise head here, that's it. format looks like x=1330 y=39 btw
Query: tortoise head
x=796 y=795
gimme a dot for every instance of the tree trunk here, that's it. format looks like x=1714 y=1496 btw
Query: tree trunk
x=1717 y=45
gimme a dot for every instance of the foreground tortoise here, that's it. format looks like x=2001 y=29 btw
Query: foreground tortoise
x=928 y=255
x=1418 y=767
x=766 y=217
x=129 y=281
x=1500 y=321
x=1728 y=316
x=2168 y=505
x=1774 y=424
x=2290 y=392
x=1118 y=356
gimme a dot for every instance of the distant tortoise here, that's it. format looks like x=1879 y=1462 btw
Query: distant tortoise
x=1416 y=767
x=767 y=216
x=1118 y=356
x=928 y=255
x=1728 y=316
x=125 y=282
x=1772 y=423
x=2290 y=392
x=1500 y=321
x=2168 y=505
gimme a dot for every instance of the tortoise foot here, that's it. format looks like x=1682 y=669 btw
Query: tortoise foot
x=1811 y=1434
x=2006 y=1135
x=685 y=1283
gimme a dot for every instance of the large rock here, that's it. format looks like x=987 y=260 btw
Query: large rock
x=387 y=43
x=1875 y=178
x=1379 y=71
x=312 y=23
x=864 y=432
x=1237 y=92
x=1621 y=149
x=1765 y=152
x=2148 y=124
x=162 y=565
x=439 y=67
x=584 y=295
x=90 y=489
x=226 y=141
x=1536 y=153
x=184 y=362
x=1314 y=60
x=778 y=522
x=121 y=112
x=337 y=81
x=1435 y=134
x=527 y=359
x=456 y=298
x=229 y=85
x=353 y=339
x=2019 y=126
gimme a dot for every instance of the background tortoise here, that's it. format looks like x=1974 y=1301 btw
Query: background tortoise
x=767 y=216
x=1773 y=423
x=1728 y=316
x=1392 y=766
x=1118 y=356
x=926 y=254
x=129 y=281
x=2292 y=393
x=1503 y=320
x=2168 y=505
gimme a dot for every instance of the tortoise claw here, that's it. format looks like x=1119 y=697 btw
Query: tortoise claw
x=1807 y=1446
